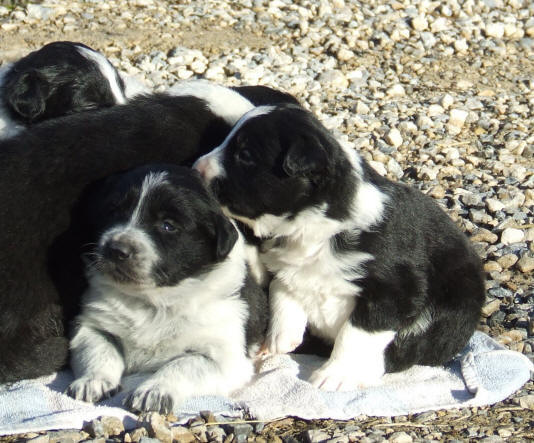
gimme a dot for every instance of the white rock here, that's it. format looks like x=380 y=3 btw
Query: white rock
x=362 y=108
x=400 y=437
x=38 y=12
x=452 y=154
x=447 y=100
x=378 y=167
x=512 y=235
x=494 y=205
x=439 y=24
x=198 y=67
x=420 y=23
x=394 y=168
x=457 y=117
x=344 y=54
x=396 y=90
x=434 y=110
x=495 y=30
x=394 y=137
x=460 y=45
x=334 y=78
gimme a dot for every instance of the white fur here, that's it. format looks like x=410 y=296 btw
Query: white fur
x=189 y=337
x=357 y=360
x=222 y=101
x=150 y=183
x=107 y=71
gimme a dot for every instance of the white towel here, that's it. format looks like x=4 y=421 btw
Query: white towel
x=484 y=373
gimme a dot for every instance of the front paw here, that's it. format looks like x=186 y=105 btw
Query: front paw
x=339 y=376
x=282 y=340
x=151 y=398
x=92 y=389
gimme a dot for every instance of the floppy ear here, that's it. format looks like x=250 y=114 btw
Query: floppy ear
x=27 y=94
x=226 y=235
x=305 y=156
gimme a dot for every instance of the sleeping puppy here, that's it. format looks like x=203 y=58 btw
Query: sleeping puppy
x=43 y=171
x=372 y=266
x=58 y=79
x=169 y=293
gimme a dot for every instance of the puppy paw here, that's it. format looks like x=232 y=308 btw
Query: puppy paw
x=335 y=376
x=151 y=398
x=92 y=389
x=282 y=341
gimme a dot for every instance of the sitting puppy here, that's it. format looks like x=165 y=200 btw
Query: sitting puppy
x=169 y=293
x=374 y=267
x=58 y=79
x=43 y=171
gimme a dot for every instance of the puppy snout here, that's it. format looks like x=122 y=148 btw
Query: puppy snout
x=208 y=167
x=118 y=251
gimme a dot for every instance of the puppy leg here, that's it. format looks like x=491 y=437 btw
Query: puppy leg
x=217 y=369
x=97 y=364
x=288 y=321
x=357 y=360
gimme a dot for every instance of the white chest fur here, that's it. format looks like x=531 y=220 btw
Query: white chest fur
x=149 y=336
x=307 y=267
x=318 y=278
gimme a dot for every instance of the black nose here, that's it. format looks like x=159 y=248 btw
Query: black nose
x=117 y=251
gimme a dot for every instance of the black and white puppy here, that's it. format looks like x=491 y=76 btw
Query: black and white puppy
x=58 y=79
x=372 y=266
x=169 y=293
x=43 y=171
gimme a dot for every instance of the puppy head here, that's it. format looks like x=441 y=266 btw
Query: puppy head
x=60 y=78
x=153 y=227
x=276 y=161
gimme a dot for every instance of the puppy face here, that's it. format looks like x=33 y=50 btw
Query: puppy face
x=60 y=78
x=276 y=161
x=153 y=227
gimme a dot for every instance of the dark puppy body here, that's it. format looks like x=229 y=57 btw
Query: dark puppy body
x=60 y=78
x=374 y=267
x=42 y=173
x=169 y=292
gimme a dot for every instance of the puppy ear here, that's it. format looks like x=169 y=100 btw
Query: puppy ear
x=27 y=94
x=226 y=235
x=305 y=156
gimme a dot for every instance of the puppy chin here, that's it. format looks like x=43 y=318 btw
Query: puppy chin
x=124 y=279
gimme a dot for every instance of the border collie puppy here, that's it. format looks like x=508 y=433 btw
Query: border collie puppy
x=169 y=293
x=43 y=171
x=374 y=267
x=58 y=79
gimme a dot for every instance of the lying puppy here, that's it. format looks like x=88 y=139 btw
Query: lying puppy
x=372 y=266
x=58 y=79
x=42 y=173
x=169 y=293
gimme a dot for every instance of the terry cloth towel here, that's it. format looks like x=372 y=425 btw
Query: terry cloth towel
x=483 y=373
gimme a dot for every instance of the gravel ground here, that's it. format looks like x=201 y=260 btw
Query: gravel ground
x=436 y=94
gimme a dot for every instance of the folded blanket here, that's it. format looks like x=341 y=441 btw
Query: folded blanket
x=482 y=374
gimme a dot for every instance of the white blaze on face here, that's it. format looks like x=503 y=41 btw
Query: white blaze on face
x=146 y=254
x=107 y=70
x=210 y=165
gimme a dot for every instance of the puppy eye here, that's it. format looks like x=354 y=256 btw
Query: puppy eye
x=167 y=226
x=244 y=156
